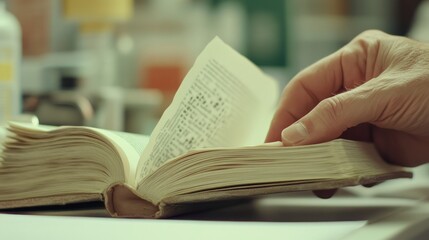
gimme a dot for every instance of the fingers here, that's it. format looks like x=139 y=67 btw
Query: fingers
x=325 y=194
x=328 y=193
x=309 y=87
x=346 y=69
x=370 y=185
x=342 y=70
x=331 y=117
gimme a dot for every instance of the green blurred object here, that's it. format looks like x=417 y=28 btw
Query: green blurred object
x=266 y=38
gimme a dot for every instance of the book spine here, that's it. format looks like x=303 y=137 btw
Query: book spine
x=122 y=200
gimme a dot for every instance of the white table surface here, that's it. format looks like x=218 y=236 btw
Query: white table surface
x=287 y=216
x=55 y=227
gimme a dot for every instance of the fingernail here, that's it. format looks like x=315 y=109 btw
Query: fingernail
x=295 y=133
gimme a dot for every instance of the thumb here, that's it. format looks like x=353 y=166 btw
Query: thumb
x=330 y=118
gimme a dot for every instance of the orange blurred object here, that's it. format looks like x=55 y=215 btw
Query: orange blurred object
x=164 y=77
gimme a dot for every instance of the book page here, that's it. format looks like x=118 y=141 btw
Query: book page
x=128 y=145
x=224 y=101
x=137 y=141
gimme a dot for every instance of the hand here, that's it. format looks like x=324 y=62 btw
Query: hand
x=376 y=88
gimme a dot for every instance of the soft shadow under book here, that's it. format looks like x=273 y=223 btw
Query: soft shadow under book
x=206 y=148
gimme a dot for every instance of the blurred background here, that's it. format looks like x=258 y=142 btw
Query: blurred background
x=116 y=64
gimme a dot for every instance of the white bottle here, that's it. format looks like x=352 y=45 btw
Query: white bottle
x=10 y=58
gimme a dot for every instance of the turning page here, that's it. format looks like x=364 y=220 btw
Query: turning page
x=224 y=101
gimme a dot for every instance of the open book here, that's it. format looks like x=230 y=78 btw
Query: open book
x=207 y=147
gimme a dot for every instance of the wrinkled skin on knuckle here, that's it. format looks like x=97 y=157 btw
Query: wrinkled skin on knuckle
x=368 y=36
x=332 y=109
x=387 y=103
